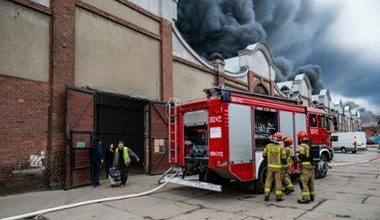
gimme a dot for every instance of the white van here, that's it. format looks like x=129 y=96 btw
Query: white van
x=349 y=141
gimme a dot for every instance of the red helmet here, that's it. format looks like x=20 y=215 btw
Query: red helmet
x=277 y=136
x=302 y=136
x=288 y=141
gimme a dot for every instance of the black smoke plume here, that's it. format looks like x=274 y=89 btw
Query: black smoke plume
x=222 y=26
x=368 y=118
x=227 y=26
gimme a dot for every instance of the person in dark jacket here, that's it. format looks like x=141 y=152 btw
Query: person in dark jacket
x=96 y=159
x=109 y=154
x=122 y=161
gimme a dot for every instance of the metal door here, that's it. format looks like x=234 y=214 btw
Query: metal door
x=79 y=135
x=158 y=139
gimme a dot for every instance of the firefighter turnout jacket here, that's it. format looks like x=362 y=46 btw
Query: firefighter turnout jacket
x=289 y=154
x=275 y=155
x=276 y=158
x=304 y=156
x=307 y=173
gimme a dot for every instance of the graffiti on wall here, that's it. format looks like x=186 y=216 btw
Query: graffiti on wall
x=37 y=161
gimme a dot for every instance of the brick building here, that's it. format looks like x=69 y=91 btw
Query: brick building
x=73 y=69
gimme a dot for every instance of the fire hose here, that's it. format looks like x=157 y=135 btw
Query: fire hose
x=88 y=202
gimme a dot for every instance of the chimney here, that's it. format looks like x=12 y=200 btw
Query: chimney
x=218 y=61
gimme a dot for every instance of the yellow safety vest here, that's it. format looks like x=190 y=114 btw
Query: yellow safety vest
x=127 y=159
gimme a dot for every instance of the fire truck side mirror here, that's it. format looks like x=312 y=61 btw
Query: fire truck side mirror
x=225 y=96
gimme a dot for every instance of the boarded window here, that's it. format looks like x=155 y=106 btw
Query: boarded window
x=159 y=147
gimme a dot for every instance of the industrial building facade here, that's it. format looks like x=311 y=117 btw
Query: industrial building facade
x=72 y=69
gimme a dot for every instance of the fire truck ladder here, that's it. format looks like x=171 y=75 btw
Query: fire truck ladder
x=173 y=128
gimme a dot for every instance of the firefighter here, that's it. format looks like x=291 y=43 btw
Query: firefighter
x=307 y=175
x=289 y=188
x=274 y=154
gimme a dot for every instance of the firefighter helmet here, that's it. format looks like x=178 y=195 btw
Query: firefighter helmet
x=288 y=141
x=302 y=136
x=277 y=137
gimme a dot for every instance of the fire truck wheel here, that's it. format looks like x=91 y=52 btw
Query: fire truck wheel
x=321 y=167
x=343 y=149
x=260 y=181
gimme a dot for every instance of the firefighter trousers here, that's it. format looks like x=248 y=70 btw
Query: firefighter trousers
x=307 y=182
x=273 y=173
x=286 y=180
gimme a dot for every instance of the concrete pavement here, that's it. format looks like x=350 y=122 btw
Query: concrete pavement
x=28 y=202
x=177 y=202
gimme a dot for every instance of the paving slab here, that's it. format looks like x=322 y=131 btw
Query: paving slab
x=96 y=211
x=149 y=207
x=349 y=210
x=210 y=214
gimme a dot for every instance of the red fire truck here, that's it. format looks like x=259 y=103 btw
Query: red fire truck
x=221 y=138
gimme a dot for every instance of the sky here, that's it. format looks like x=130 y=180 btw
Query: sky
x=335 y=42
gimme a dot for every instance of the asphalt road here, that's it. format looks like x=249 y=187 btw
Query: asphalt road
x=351 y=190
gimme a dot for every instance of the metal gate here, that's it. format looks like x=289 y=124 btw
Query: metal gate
x=159 y=161
x=119 y=117
x=79 y=135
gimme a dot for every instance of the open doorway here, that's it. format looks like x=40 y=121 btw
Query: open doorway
x=117 y=118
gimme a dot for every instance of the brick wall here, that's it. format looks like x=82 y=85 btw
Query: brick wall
x=63 y=60
x=24 y=112
x=166 y=61
x=32 y=113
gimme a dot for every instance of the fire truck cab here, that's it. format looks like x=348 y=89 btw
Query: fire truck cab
x=222 y=138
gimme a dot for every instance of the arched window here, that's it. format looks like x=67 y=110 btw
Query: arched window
x=261 y=90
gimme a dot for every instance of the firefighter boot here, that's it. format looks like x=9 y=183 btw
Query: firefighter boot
x=302 y=201
x=288 y=191
x=279 y=199
x=311 y=197
x=266 y=198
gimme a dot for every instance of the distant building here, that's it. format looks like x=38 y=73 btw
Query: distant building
x=372 y=131
x=299 y=89
x=323 y=101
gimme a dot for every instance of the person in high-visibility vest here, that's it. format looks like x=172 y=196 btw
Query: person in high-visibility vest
x=289 y=188
x=274 y=154
x=122 y=161
x=307 y=175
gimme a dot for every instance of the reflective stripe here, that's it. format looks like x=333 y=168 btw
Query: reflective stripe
x=274 y=166
x=266 y=190
x=306 y=163
x=278 y=192
x=306 y=193
x=312 y=193
x=289 y=186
